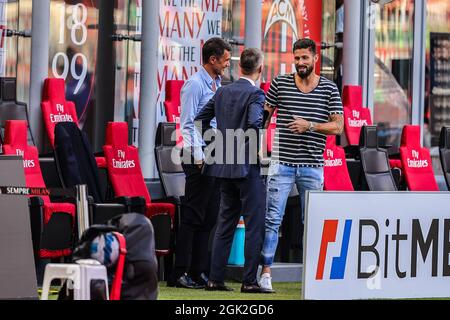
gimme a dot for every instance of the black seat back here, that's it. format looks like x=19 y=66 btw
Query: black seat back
x=444 y=153
x=171 y=172
x=75 y=161
x=376 y=173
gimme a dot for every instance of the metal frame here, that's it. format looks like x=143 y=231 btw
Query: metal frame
x=368 y=61
x=418 y=61
x=418 y=65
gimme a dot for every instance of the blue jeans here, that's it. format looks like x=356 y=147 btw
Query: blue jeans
x=280 y=182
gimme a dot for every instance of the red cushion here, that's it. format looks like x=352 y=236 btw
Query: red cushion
x=354 y=119
x=172 y=106
x=55 y=108
x=265 y=86
x=395 y=163
x=173 y=90
x=117 y=134
x=154 y=209
x=336 y=176
x=352 y=96
x=416 y=161
x=411 y=137
x=101 y=162
x=51 y=208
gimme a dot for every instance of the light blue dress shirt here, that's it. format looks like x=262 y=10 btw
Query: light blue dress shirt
x=196 y=92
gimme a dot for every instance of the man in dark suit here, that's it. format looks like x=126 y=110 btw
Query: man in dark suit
x=233 y=158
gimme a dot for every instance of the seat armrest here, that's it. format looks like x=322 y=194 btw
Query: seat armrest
x=138 y=205
x=99 y=213
x=63 y=199
x=174 y=200
x=34 y=202
x=119 y=200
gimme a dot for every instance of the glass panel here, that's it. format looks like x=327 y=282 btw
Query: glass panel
x=133 y=69
x=24 y=52
x=121 y=14
x=393 y=56
x=437 y=88
x=8 y=50
x=329 y=36
x=73 y=50
x=233 y=28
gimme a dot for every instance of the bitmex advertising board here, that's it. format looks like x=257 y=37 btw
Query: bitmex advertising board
x=377 y=245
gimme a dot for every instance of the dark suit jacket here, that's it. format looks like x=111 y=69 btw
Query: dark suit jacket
x=75 y=159
x=238 y=109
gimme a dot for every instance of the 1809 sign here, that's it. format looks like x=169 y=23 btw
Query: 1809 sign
x=73 y=49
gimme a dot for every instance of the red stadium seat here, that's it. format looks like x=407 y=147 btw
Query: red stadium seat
x=416 y=161
x=126 y=177
x=355 y=115
x=265 y=86
x=56 y=109
x=172 y=105
x=336 y=176
x=352 y=96
x=354 y=119
x=57 y=219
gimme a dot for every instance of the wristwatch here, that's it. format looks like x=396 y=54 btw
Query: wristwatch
x=312 y=126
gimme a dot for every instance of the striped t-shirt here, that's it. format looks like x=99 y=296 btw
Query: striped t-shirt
x=301 y=149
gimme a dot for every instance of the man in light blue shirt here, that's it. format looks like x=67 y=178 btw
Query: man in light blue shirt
x=200 y=205
x=196 y=92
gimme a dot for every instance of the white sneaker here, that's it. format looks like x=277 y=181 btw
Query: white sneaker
x=265 y=281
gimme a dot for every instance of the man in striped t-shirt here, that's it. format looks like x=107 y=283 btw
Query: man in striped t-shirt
x=309 y=109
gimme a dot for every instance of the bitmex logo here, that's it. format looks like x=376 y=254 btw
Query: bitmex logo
x=408 y=241
x=328 y=236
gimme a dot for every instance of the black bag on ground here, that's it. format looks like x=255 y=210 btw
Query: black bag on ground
x=140 y=279
x=140 y=276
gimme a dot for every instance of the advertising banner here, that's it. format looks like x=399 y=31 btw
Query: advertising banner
x=284 y=22
x=184 y=27
x=377 y=245
x=73 y=50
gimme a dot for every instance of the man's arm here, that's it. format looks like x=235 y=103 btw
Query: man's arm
x=268 y=113
x=190 y=98
x=256 y=111
x=335 y=126
x=204 y=117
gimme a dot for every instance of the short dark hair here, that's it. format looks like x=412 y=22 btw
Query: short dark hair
x=251 y=60
x=214 y=47
x=305 y=44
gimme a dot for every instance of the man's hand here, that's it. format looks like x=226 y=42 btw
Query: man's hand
x=200 y=164
x=299 y=125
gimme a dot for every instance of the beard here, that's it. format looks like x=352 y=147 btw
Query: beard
x=305 y=73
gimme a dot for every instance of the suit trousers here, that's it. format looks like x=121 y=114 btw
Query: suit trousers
x=246 y=197
x=199 y=209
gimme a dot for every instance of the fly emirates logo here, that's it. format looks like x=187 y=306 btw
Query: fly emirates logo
x=60 y=117
x=122 y=163
x=415 y=161
x=330 y=161
x=356 y=122
x=26 y=163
